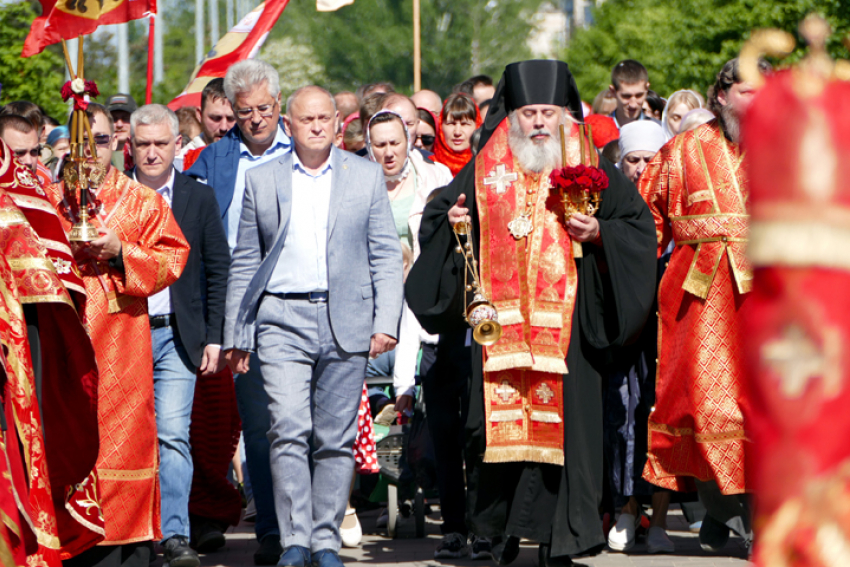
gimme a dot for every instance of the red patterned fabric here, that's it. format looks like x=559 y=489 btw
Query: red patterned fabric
x=214 y=437
x=19 y=531
x=154 y=253
x=697 y=192
x=43 y=174
x=797 y=328
x=70 y=380
x=533 y=283
x=29 y=196
x=365 y=454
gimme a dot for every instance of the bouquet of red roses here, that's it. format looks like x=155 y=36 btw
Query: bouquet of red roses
x=576 y=190
x=580 y=177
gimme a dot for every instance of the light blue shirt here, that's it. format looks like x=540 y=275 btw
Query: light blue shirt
x=160 y=302
x=303 y=262
x=247 y=160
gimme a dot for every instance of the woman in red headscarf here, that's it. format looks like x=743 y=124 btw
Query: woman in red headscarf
x=455 y=125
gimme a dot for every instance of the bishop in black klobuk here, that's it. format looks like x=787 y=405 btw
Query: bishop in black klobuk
x=552 y=496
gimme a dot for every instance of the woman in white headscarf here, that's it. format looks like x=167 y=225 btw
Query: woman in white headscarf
x=678 y=104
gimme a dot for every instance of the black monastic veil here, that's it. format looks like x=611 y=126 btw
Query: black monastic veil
x=548 y=504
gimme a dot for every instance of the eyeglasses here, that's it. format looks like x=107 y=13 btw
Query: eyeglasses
x=426 y=139
x=101 y=140
x=35 y=152
x=265 y=110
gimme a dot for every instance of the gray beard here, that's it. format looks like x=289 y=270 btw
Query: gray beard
x=534 y=156
x=730 y=123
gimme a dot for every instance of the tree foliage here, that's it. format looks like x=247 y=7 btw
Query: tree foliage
x=38 y=78
x=296 y=63
x=372 y=40
x=684 y=43
x=368 y=41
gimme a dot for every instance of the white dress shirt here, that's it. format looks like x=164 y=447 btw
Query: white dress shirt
x=160 y=302
x=247 y=161
x=303 y=262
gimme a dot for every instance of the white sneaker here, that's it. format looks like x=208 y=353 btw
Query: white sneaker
x=657 y=541
x=350 y=530
x=622 y=535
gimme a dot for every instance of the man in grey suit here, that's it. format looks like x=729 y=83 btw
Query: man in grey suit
x=315 y=285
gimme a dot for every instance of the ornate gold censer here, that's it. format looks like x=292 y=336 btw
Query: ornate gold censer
x=481 y=314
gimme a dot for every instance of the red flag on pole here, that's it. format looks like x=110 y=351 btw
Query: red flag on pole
x=243 y=41
x=67 y=19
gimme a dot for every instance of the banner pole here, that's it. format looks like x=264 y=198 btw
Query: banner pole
x=417 y=49
x=151 y=40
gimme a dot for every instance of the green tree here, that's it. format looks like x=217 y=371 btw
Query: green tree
x=684 y=43
x=296 y=64
x=372 y=40
x=37 y=79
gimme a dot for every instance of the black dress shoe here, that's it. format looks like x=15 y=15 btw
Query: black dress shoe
x=177 y=553
x=505 y=550
x=269 y=552
x=207 y=537
x=327 y=558
x=295 y=556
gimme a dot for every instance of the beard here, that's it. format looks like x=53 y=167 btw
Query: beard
x=730 y=123
x=532 y=155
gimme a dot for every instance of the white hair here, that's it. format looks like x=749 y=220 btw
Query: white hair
x=531 y=155
x=151 y=114
x=249 y=74
x=304 y=89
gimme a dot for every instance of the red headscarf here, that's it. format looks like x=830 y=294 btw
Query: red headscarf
x=444 y=154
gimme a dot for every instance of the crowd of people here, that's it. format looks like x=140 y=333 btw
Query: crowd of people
x=256 y=257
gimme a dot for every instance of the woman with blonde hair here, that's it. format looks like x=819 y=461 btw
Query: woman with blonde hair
x=678 y=104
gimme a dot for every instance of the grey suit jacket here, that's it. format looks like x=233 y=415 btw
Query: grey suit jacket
x=364 y=254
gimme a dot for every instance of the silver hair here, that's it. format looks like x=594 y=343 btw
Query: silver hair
x=531 y=155
x=246 y=75
x=291 y=98
x=150 y=114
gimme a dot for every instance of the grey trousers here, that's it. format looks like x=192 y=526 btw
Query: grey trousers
x=314 y=391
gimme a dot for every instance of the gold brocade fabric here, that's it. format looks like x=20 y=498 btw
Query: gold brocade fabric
x=154 y=252
x=697 y=192
x=35 y=274
x=533 y=282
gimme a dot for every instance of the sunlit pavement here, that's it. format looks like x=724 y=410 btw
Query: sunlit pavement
x=378 y=550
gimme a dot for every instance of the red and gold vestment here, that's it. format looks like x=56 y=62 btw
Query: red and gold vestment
x=62 y=498
x=697 y=191
x=153 y=253
x=532 y=282
x=797 y=325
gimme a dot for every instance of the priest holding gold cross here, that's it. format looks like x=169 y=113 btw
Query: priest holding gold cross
x=555 y=274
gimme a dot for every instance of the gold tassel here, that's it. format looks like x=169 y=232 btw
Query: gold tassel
x=508 y=361
x=550 y=319
x=549 y=364
x=500 y=416
x=545 y=416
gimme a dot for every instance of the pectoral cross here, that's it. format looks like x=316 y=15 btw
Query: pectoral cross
x=501 y=178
